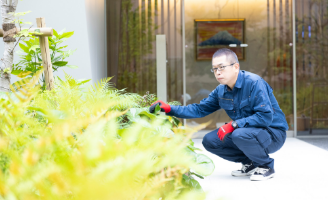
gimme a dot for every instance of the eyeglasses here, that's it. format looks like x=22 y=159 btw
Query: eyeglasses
x=221 y=68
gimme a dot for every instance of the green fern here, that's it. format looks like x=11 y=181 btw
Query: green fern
x=69 y=143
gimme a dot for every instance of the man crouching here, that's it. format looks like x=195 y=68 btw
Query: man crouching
x=258 y=127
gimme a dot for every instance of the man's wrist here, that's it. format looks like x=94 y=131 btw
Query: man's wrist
x=241 y=122
x=172 y=111
x=234 y=125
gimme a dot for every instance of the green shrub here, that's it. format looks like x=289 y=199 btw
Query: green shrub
x=31 y=60
x=97 y=143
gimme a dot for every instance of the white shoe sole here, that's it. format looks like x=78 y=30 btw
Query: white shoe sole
x=260 y=178
x=238 y=174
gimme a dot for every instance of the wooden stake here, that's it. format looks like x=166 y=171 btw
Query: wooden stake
x=44 y=31
x=45 y=52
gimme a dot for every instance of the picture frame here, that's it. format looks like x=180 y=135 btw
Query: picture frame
x=213 y=34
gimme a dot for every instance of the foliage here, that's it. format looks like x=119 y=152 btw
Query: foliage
x=21 y=35
x=31 y=60
x=20 y=21
x=69 y=143
x=147 y=100
x=175 y=103
x=136 y=39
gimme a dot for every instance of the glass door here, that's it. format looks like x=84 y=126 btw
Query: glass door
x=262 y=27
x=132 y=26
x=312 y=67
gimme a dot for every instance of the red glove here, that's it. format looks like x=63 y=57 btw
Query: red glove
x=164 y=107
x=225 y=130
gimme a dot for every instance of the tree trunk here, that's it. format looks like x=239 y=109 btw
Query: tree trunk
x=7 y=6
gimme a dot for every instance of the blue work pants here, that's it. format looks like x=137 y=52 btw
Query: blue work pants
x=247 y=144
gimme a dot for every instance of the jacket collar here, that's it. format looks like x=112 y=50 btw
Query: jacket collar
x=239 y=81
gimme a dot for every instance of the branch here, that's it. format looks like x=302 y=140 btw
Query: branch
x=12 y=51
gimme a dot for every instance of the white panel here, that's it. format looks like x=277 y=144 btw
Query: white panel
x=161 y=67
x=95 y=12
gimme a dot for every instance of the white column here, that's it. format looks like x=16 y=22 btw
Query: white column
x=161 y=67
x=96 y=20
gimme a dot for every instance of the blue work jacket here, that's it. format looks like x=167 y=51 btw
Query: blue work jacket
x=250 y=103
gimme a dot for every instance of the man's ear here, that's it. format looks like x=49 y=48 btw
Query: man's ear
x=237 y=66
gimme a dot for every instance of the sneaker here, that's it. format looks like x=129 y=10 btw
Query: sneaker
x=246 y=170
x=262 y=174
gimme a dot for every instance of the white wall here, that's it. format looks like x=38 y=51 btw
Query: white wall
x=95 y=10
x=86 y=19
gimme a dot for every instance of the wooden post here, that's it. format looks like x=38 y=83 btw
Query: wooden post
x=44 y=31
x=46 y=58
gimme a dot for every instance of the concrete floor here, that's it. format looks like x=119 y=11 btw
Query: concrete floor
x=319 y=142
x=301 y=173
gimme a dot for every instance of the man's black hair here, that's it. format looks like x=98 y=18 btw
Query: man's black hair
x=231 y=56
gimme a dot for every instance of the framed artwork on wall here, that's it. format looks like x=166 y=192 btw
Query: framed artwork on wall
x=213 y=34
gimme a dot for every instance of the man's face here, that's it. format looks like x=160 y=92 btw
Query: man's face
x=229 y=74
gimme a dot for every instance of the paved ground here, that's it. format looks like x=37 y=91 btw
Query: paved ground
x=319 y=142
x=301 y=174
